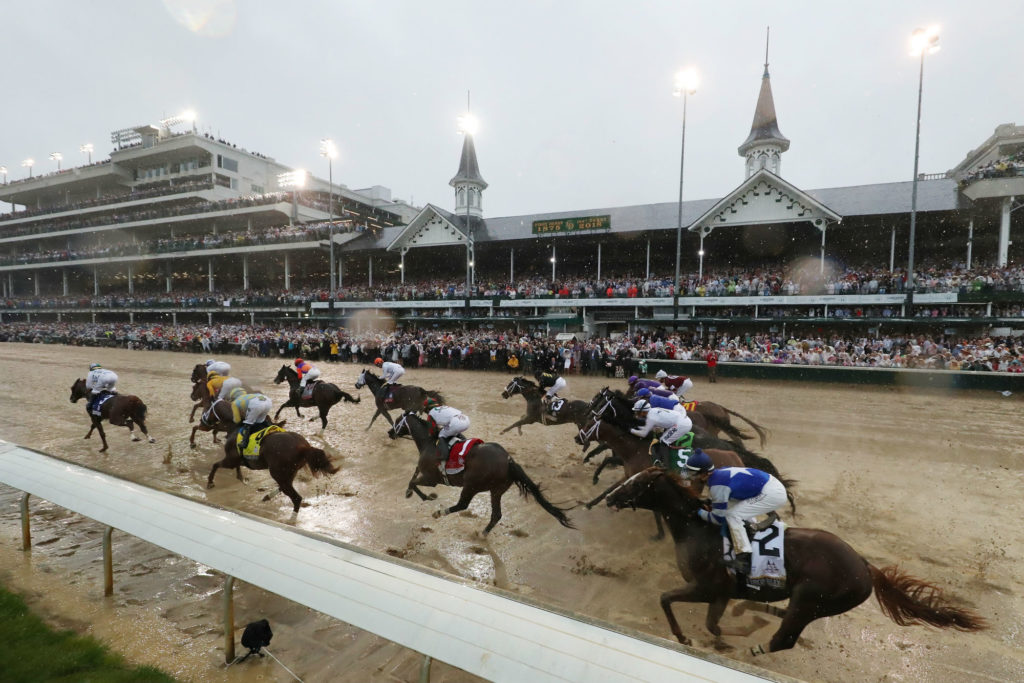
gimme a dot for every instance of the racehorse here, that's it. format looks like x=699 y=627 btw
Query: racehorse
x=284 y=454
x=122 y=410
x=324 y=395
x=220 y=419
x=405 y=397
x=824 y=575
x=569 y=411
x=489 y=467
x=713 y=417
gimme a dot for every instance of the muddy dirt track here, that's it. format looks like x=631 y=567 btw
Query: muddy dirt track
x=930 y=480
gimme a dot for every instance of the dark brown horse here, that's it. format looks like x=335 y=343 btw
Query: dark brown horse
x=717 y=416
x=284 y=454
x=824 y=575
x=489 y=467
x=220 y=419
x=570 y=412
x=404 y=397
x=323 y=396
x=122 y=410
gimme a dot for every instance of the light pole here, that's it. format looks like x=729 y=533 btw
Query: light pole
x=922 y=41
x=686 y=84
x=28 y=163
x=87 y=149
x=329 y=150
x=468 y=125
x=57 y=156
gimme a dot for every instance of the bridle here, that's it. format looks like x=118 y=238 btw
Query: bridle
x=609 y=403
x=586 y=434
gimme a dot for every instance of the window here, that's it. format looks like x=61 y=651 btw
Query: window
x=227 y=164
x=256 y=189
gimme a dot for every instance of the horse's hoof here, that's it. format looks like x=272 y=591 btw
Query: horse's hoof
x=723 y=646
x=684 y=640
x=192 y=446
x=152 y=440
x=135 y=438
x=103 y=450
x=209 y=484
x=432 y=496
x=267 y=497
x=437 y=514
x=408 y=493
x=191 y=420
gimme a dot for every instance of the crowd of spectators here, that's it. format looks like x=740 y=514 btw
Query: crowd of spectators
x=523 y=354
x=1012 y=165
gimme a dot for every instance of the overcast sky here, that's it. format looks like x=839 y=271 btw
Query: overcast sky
x=574 y=98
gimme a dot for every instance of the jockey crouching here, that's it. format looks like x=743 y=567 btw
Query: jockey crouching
x=307 y=372
x=677 y=384
x=675 y=425
x=389 y=372
x=553 y=383
x=227 y=386
x=218 y=366
x=215 y=383
x=251 y=410
x=99 y=382
x=666 y=402
x=738 y=494
x=450 y=421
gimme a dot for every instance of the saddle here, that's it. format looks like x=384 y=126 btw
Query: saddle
x=307 y=393
x=251 y=454
x=96 y=404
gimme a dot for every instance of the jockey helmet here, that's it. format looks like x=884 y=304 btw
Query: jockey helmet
x=430 y=404
x=641 y=406
x=95 y=366
x=378 y=361
x=209 y=362
x=298 y=361
x=699 y=461
x=661 y=374
x=632 y=379
x=644 y=393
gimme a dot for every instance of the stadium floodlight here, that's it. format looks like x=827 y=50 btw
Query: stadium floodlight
x=329 y=150
x=924 y=41
x=29 y=163
x=58 y=157
x=292 y=180
x=87 y=148
x=187 y=116
x=685 y=85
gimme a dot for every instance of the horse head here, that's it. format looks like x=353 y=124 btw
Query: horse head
x=588 y=432
x=512 y=388
x=78 y=390
x=364 y=379
x=285 y=373
x=602 y=401
x=401 y=426
x=198 y=372
x=199 y=390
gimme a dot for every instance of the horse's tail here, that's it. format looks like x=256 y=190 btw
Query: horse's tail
x=436 y=395
x=736 y=435
x=528 y=488
x=318 y=461
x=909 y=601
x=340 y=395
x=348 y=397
x=762 y=433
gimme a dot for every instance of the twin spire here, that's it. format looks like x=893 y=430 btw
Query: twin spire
x=764 y=146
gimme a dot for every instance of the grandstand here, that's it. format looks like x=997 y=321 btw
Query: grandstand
x=182 y=226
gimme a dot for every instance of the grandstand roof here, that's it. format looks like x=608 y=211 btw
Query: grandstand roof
x=857 y=200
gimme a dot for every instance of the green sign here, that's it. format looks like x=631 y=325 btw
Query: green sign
x=564 y=225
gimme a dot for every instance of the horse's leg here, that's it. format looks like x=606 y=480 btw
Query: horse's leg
x=609 y=460
x=600 y=449
x=192 y=415
x=604 y=493
x=271 y=494
x=464 y=499
x=798 y=615
x=103 y=435
x=413 y=487
x=691 y=592
x=323 y=417
x=525 y=420
x=278 y=413
x=287 y=489
x=661 y=530
x=374 y=418
x=145 y=432
x=192 y=437
x=496 y=494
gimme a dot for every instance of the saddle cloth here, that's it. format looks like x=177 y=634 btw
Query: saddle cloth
x=767 y=562
x=680 y=454
x=457 y=455
x=556 y=405
x=388 y=392
x=689 y=406
x=307 y=393
x=97 y=403
x=252 y=449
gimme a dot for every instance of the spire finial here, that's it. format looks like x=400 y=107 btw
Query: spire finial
x=767 y=35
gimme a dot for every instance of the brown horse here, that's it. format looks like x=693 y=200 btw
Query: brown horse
x=570 y=412
x=122 y=410
x=404 y=397
x=716 y=416
x=284 y=454
x=220 y=419
x=323 y=397
x=824 y=575
x=489 y=467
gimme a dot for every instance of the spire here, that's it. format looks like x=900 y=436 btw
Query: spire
x=469 y=170
x=468 y=183
x=765 y=138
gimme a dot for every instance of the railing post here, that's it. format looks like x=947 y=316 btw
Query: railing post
x=108 y=563
x=26 y=531
x=425 y=669
x=229 y=620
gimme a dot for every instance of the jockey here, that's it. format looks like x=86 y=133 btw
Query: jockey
x=215 y=383
x=550 y=381
x=389 y=372
x=250 y=410
x=100 y=380
x=218 y=366
x=675 y=425
x=450 y=421
x=737 y=494
x=656 y=401
x=306 y=372
x=679 y=384
x=227 y=386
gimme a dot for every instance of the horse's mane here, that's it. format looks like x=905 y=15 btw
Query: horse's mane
x=527 y=381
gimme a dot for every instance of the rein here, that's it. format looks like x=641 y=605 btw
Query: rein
x=609 y=403
x=587 y=434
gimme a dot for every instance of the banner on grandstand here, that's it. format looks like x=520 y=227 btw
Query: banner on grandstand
x=566 y=225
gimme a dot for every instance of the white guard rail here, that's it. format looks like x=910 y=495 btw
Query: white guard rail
x=484 y=631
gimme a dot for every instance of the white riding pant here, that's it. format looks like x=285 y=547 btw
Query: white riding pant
x=220 y=367
x=679 y=429
x=556 y=387
x=679 y=409
x=312 y=374
x=226 y=388
x=458 y=424
x=771 y=498
x=393 y=377
x=257 y=410
x=684 y=387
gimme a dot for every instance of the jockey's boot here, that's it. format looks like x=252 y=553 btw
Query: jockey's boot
x=659 y=454
x=245 y=432
x=741 y=563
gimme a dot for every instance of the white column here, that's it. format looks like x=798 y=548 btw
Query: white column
x=648 y=276
x=245 y=270
x=174 y=317
x=209 y=272
x=341 y=278
x=287 y=272
x=970 y=241
x=821 y=268
x=401 y=267
x=511 y=266
x=892 y=250
x=554 y=259
x=95 y=282
x=35 y=281
x=168 y=276
x=64 y=274
x=369 y=260
x=1004 y=230
x=131 y=316
x=131 y=279
x=598 y=260
x=700 y=268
